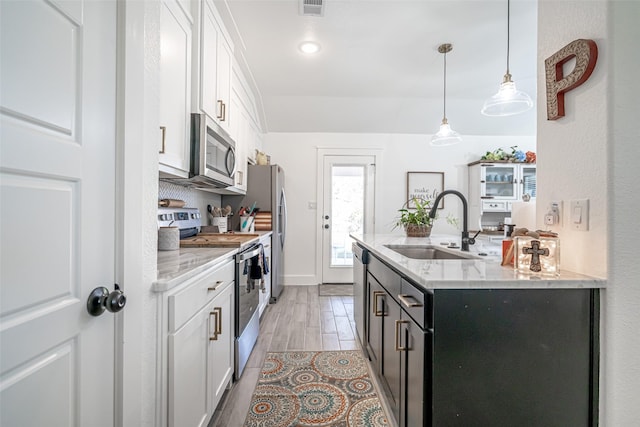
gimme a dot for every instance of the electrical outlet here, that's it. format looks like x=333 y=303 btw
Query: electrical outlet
x=549 y=219
x=553 y=216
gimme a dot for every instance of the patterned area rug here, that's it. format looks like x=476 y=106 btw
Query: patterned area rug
x=315 y=388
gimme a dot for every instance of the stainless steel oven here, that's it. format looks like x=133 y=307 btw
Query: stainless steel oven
x=247 y=300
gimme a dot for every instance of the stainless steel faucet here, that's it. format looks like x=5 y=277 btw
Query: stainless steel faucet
x=466 y=240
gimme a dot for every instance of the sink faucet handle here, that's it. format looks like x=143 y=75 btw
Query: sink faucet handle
x=472 y=240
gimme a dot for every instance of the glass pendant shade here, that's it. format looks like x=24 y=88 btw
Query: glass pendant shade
x=508 y=101
x=445 y=136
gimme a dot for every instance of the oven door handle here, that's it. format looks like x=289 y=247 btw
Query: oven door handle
x=248 y=255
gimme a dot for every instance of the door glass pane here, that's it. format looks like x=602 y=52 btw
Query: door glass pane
x=529 y=182
x=500 y=181
x=347 y=211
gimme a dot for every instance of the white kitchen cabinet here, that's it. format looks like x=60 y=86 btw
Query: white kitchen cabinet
x=216 y=54
x=265 y=292
x=494 y=186
x=175 y=88
x=198 y=316
x=220 y=354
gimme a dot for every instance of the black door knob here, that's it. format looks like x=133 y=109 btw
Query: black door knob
x=326 y=217
x=101 y=299
x=326 y=226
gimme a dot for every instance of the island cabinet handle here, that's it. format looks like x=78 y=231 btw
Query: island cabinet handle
x=398 y=347
x=376 y=312
x=404 y=299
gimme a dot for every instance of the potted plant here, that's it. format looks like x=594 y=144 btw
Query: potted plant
x=416 y=222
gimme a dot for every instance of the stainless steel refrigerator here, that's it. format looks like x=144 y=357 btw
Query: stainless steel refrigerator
x=265 y=187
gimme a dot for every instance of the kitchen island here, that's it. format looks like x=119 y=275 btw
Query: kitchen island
x=459 y=342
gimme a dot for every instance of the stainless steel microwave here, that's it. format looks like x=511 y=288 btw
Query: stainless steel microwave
x=212 y=162
x=213 y=153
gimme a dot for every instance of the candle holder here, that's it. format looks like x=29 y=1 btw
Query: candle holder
x=539 y=256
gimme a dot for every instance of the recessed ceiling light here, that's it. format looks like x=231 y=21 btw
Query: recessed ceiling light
x=309 y=47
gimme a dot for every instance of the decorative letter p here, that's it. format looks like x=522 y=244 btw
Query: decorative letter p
x=586 y=54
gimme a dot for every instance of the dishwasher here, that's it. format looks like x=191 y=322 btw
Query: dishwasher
x=360 y=306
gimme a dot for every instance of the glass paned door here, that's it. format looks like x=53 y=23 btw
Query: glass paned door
x=529 y=182
x=347 y=208
x=347 y=211
x=500 y=182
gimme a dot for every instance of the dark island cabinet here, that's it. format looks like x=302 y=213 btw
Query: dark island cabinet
x=483 y=357
x=398 y=345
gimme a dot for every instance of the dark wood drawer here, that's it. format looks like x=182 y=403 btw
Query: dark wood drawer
x=389 y=279
x=416 y=303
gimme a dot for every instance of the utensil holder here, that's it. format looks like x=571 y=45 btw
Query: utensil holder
x=247 y=224
x=220 y=222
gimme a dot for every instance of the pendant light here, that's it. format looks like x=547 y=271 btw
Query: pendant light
x=508 y=101
x=446 y=135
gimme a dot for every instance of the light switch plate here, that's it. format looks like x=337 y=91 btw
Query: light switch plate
x=579 y=214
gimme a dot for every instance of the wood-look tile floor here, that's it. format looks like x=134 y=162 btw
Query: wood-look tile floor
x=300 y=320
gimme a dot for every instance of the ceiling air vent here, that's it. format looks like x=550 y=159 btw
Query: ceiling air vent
x=312 y=7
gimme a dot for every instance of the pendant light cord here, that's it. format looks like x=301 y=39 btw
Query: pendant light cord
x=444 y=91
x=508 y=30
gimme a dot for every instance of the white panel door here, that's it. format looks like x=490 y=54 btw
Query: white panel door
x=57 y=163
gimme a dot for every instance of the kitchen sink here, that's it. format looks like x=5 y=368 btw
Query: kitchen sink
x=428 y=252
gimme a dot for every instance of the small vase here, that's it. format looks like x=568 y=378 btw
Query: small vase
x=417 y=230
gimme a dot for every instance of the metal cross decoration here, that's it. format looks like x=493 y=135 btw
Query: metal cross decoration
x=535 y=251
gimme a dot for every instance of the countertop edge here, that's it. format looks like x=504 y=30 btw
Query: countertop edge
x=170 y=282
x=204 y=259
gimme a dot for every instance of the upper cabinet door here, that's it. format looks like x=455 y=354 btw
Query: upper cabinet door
x=175 y=88
x=215 y=76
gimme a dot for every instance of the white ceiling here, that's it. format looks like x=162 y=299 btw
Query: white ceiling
x=379 y=70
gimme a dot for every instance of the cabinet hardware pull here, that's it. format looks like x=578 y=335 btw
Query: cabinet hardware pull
x=219 y=320
x=224 y=112
x=215 y=325
x=219 y=109
x=376 y=294
x=213 y=288
x=164 y=134
x=404 y=299
x=398 y=347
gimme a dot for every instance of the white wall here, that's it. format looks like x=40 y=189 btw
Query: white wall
x=621 y=367
x=592 y=153
x=572 y=151
x=297 y=153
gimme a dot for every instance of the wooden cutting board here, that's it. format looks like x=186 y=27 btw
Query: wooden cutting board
x=217 y=240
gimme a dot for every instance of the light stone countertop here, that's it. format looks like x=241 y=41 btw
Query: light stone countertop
x=483 y=273
x=174 y=267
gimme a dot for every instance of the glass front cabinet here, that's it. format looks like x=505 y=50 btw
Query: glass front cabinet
x=494 y=186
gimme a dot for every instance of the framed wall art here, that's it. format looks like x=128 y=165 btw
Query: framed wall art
x=424 y=185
